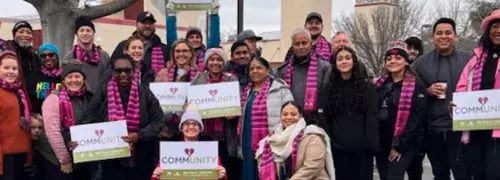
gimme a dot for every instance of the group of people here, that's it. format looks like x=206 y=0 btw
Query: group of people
x=317 y=116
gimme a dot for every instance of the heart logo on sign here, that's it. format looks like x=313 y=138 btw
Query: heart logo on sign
x=99 y=132
x=189 y=151
x=482 y=100
x=173 y=90
x=213 y=92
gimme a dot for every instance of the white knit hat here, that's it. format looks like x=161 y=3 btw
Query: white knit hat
x=191 y=114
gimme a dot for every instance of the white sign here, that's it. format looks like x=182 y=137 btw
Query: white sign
x=191 y=160
x=476 y=110
x=171 y=95
x=100 y=141
x=216 y=100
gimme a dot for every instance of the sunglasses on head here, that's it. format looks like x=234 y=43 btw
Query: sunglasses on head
x=121 y=70
x=50 y=55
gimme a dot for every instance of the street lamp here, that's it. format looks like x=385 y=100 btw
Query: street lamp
x=240 y=16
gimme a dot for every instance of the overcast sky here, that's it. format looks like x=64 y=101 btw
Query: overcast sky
x=260 y=15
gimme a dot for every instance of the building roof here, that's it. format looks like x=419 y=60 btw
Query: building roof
x=270 y=35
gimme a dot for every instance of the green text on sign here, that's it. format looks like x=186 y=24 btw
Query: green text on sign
x=220 y=112
x=193 y=7
x=189 y=174
x=477 y=124
x=167 y=108
x=104 y=154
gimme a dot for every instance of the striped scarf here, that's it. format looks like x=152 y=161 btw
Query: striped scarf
x=200 y=56
x=54 y=72
x=214 y=127
x=66 y=107
x=157 y=59
x=259 y=113
x=405 y=103
x=13 y=87
x=172 y=73
x=81 y=55
x=322 y=48
x=267 y=158
x=137 y=72
x=311 y=84
x=115 y=107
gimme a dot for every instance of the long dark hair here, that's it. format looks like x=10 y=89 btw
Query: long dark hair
x=485 y=40
x=295 y=104
x=359 y=85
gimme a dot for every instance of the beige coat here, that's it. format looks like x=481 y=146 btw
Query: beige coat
x=311 y=156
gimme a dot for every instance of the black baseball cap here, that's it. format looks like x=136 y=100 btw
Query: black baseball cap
x=314 y=15
x=145 y=16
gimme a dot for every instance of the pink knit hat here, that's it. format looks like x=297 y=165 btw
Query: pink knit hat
x=493 y=16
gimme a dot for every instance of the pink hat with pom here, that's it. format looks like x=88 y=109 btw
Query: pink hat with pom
x=493 y=16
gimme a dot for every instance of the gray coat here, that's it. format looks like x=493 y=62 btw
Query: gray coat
x=93 y=72
x=299 y=81
x=229 y=125
x=432 y=68
x=278 y=95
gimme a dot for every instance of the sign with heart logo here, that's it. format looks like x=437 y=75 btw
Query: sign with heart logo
x=482 y=100
x=189 y=151
x=99 y=132
x=213 y=92
x=173 y=90
x=171 y=95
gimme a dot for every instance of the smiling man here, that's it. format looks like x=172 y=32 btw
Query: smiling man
x=440 y=70
x=23 y=38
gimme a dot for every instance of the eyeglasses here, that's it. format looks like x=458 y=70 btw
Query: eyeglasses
x=183 y=51
x=50 y=55
x=121 y=70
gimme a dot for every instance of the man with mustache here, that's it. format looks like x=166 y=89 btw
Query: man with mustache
x=306 y=74
x=415 y=48
x=238 y=65
x=314 y=24
x=93 y=59
x=341 y=39
x=156 y=53
x=440 y=71
x=21 y=44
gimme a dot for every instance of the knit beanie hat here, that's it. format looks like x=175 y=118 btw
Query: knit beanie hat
x=398 y=48
x=19 y=25
x=218 y=51
x=49 y=47
x=193 y=30
x=83 y=21
x=191 y=113
x=72 y=67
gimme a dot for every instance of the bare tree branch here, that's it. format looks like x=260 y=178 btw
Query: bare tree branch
x=34 y=2
x=95 y=12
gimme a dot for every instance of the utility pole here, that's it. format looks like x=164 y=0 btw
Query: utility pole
x=240 y=16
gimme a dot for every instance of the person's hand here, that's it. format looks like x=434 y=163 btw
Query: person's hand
x=436 y=89
x=229 y=116
x=157 y=173
x=131 y=138
x=450 y=109
x=72 y=145
x=394 y=156
x=170 y=9
x=215 y=7
x=67 y=168
x=222 y=172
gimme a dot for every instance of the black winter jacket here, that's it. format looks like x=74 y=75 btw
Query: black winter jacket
x=390 y=93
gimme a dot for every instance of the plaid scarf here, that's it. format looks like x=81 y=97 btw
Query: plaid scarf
x=172 y=74
x=214 y=127
x=200 y=59
x=54 y=72
x=157 y=59
x=259 y=113
x=322 y=48
x=13 y=87
x=115 y=107
x=405 y=102
x=311 y=84
x=81 y=55
x=267 y=157
x=66 y=107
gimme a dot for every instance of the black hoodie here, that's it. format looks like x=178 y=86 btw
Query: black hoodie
x=28 y=58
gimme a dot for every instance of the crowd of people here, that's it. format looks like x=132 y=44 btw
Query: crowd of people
x=317 y=116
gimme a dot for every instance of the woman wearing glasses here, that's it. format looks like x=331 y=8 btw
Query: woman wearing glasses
x=41 y=83
x=124 y=98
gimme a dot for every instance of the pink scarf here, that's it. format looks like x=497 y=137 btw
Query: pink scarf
x=137 y=72
x=171 y=73
x=214 y=127
x=115 y=107
x=259 y=113
x=267 y=158
x=13 y=87
x=405 y=103
x=66 y=107
x=322 y=48
x=81 y=54
x=157 y=59
x=54 y=72
x=200 y=59
x=311 y=84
